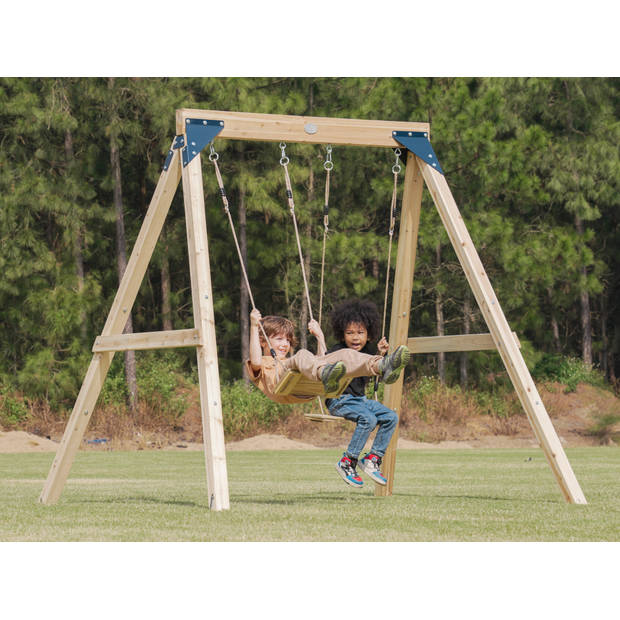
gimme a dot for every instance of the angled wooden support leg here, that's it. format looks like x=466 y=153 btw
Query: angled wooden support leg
x=501 y=334
x=401 y=299
x=117 y=318
x=204 y=320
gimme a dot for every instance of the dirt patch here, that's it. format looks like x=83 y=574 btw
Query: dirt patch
x=20 y=441
x=574 y=415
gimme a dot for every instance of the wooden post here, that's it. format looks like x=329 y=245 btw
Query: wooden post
x=501 y=334
x=117 y=318
x=208 y=372
x=401 y=299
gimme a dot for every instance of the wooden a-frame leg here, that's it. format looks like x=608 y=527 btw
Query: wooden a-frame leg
x=501 y=334
x=208 y=373
x=401 y=300
x=117 y=318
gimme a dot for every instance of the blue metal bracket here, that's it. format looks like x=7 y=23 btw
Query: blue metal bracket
x=418 y=143
x=179 y=141
x=199 y=133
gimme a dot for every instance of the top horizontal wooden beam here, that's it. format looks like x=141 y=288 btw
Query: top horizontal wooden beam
x=309 y=129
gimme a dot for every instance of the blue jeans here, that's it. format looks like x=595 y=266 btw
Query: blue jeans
x=367 y=414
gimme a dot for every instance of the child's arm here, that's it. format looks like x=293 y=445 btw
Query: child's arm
x=315 y=329
x=383 y=346
x=256 y=351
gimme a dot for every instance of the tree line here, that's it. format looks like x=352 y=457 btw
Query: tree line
x=533 y=164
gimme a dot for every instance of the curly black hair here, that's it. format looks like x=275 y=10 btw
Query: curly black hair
x=356 y=311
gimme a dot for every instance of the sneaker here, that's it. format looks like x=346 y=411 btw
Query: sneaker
x=371 y=464
x=331 y=375
x=391 y=365
x=346 y=468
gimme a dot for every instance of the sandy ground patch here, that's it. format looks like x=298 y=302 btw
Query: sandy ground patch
x=20 y=441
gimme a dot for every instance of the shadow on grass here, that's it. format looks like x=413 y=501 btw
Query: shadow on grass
x=311 y=498
x=140 y=500
x=339 y=498
x=481 y=497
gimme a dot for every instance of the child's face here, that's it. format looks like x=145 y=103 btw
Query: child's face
x=355 y=336
x=281 y=345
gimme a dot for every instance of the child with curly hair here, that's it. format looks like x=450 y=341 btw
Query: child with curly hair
x=356 y=324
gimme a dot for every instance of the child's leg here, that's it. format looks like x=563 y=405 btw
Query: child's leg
x=357 y=364
x=354 y=408
x=305 y=362
x=386 y=421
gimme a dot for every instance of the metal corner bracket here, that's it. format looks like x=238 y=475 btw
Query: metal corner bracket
x=418 y=143
x=198 y=134
x=179 y=141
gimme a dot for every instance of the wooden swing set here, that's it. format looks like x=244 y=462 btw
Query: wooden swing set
x=195 y=130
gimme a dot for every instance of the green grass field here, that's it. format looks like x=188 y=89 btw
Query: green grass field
x=440 y=495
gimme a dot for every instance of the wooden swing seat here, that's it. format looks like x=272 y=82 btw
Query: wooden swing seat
x=322 y=417
x=293 y=382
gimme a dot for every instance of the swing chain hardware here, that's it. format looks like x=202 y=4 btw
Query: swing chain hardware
x=213 y=156
x=329 y=164
x=396 y=167
x=284 y=159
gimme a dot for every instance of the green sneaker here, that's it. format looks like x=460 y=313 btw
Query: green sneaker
x=331 y=375
x=391 y=365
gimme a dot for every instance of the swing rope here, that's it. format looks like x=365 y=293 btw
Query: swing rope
x=328 y=165
x=396 y=168
x=284 y=161
x=213 y=157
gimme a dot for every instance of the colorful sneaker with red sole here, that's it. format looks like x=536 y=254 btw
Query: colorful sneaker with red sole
x=346 y=469
x=371 y=465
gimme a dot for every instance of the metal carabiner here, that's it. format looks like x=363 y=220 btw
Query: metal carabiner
x=329 y=164
x=396 y=167
x=284 y=159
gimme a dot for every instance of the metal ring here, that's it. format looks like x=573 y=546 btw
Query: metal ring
x=328 y=165
x=213 y=156
x=396 y=168
x=284 y=159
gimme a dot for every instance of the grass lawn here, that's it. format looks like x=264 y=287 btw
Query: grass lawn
x=440 y=495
